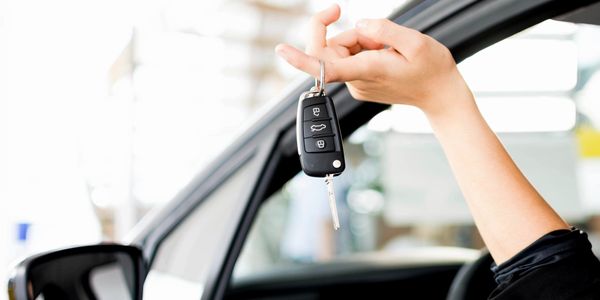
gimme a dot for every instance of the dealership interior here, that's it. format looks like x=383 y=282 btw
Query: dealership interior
x=103 y=123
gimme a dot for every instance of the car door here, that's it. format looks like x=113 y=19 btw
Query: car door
x=193 y=243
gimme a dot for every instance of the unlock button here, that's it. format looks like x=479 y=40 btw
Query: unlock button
x=321 y=144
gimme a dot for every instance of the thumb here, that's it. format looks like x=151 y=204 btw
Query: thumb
x=345 y=69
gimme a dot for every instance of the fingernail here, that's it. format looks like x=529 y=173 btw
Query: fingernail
x=281 y=51
x=361 y=24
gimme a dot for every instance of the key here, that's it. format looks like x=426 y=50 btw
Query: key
x=331 y=197
x=319 y=139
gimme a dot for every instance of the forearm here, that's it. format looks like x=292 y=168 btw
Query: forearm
x=507 y=209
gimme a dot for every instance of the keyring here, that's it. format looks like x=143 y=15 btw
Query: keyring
x=320 y=82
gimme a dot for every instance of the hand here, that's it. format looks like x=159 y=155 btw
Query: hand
x=413 y=69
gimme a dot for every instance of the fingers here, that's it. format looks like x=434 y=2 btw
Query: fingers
x=346 y=69
x=299 y=59
x=406 y=41
x=318 y=28
x=355 y=42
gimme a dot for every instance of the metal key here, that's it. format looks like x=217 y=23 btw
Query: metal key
x=332 y=206
x=319 y=138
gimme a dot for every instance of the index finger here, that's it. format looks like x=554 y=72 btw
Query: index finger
x=318 y=28
x=346 y=69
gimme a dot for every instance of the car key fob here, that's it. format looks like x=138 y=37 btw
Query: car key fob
x=318 y=134
x=319 y=139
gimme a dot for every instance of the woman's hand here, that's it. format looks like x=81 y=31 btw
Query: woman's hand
x=417 y=70
x=413 y=69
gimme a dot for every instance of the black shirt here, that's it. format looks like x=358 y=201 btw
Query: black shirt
x=559 y=265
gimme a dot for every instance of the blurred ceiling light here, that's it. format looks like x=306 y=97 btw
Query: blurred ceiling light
x=589 y=48
x=551 y=28
x=515 y=65
x=504 y=114
x=528 y=114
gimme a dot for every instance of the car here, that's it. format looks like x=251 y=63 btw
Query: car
x=203 y=243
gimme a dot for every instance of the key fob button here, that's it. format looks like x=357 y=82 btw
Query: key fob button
x=320 y=144
x=317 y=128
x=318 y=111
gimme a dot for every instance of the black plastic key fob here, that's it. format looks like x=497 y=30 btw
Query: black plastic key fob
x=318 y=136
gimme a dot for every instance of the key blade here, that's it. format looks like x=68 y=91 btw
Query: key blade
x=332 y=205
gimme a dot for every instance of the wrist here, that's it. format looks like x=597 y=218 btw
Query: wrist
x=457 y=112
x=452 y=106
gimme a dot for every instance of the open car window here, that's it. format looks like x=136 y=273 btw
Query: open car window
x=397 y=199
x=184 y=260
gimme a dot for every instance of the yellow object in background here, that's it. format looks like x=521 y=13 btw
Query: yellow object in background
x=589 y=141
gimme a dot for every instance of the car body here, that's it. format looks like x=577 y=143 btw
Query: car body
x=264 y=158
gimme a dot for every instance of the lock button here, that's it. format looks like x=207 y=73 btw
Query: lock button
x=313 y=112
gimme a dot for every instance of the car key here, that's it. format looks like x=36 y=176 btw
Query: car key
x=319 y=138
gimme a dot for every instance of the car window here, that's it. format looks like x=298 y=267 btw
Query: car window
x=539 y=90
x=183 y=260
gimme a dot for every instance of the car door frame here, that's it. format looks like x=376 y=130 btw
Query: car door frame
x=271 y=140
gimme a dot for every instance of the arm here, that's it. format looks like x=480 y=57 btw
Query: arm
x=507 y=210
x=417 y=70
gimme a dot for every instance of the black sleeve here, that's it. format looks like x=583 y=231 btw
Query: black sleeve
x=559 y=265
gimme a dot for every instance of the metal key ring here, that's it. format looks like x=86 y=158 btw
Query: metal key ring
x=320 y=82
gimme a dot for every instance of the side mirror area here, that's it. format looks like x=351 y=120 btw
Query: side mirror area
x=105 y=271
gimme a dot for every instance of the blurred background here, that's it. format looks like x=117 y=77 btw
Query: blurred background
x=108 y=108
